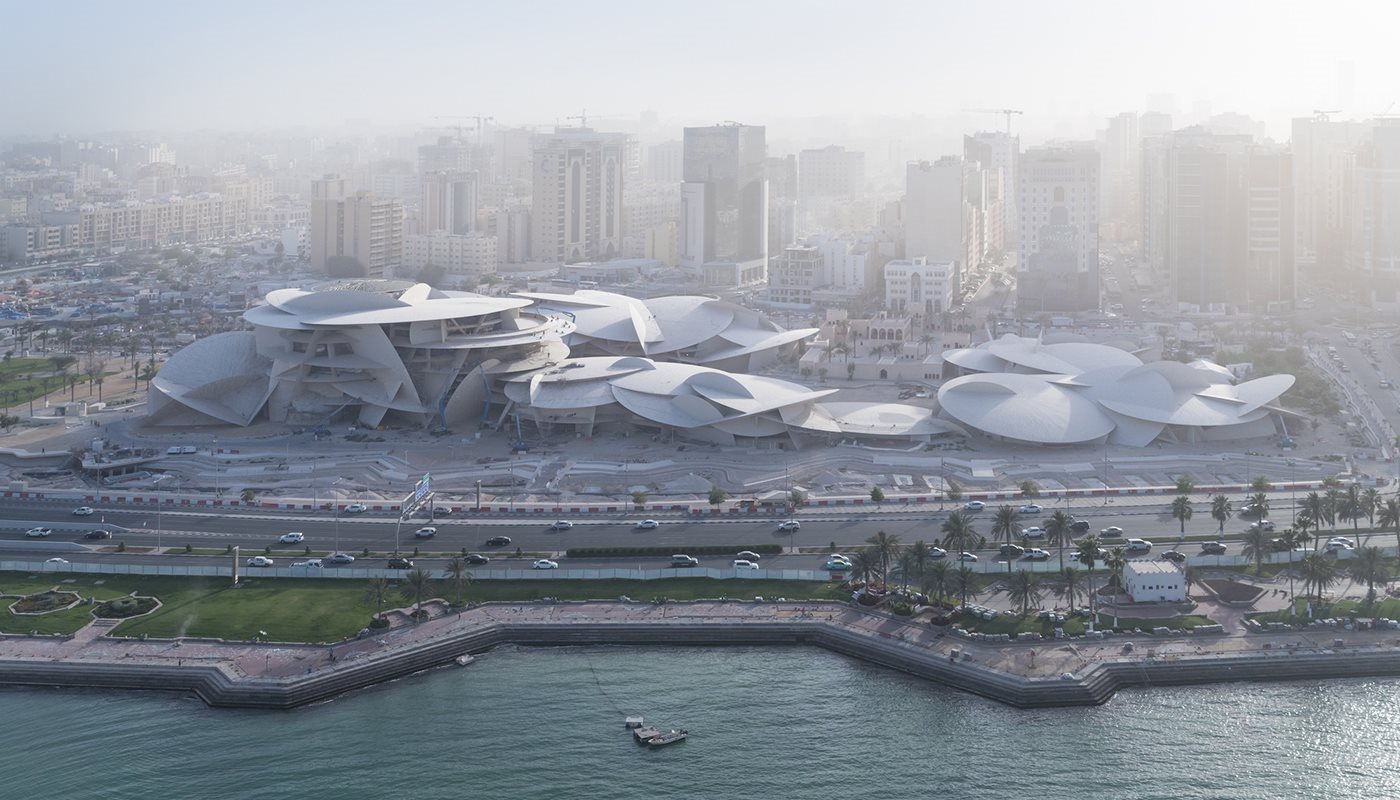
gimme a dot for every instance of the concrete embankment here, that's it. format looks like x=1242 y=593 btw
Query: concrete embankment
x=231 y=675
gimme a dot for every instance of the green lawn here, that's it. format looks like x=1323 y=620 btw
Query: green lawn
x=329 y=609
x=1075 y=626
x=1388 y=608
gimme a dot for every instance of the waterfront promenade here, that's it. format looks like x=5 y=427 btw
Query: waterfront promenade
x=1081 y=671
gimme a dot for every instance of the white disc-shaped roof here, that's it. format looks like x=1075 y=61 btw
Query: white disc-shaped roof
x=1029 y=408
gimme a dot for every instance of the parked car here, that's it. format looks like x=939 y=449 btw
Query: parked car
x=561 y=525
x=647 y=525
x=310 y=563
x=743 y=563
x=1174 y=556
x=292 y=537
x=498 y=541
x=35 y=533
x=1010 y=551
x=545 y=563
x=260 y=561
x=1213 y=548
x=748 y=555
x=1262 y=524
x=1036 y=554
x=82 y=511
x=425 y=532
x=1111 y=532
x=1030 y=508
x=789 y=525
x=1033 y=532
x=340 y=558
x=937 y=552
x=356 y=508
x=478 y=558
x=98 y=534
x=1138 y=546
x=974 y=505
x=966 y=556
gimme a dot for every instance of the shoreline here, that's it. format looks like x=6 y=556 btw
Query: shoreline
x=1079 y=672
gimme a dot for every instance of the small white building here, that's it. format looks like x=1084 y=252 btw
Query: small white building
x=1154 y=582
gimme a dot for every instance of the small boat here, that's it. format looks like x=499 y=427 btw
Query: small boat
x=633 y=722
x=667 y=738
x=464 y=660
x=644 y=735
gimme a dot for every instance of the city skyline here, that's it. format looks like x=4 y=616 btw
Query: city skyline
x=281 y=66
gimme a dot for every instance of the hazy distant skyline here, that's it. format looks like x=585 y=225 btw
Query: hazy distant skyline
x=148 y=65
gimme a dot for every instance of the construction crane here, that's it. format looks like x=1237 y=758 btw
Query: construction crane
x=480 y=121
x=1007 y=111
x=585 y=116
x=1324 y=116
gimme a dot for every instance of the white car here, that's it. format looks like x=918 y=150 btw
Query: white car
x=1029 y=508
x=647 y=524
x=966 y=556
x=1265 y=524
x=56 y=561
x=747 y=555
x=937 y=552
x=545 y=563
x=560 y=525
x=82 y=511
x=310 y=563
x=1138 y=545
x=1111 y=532
x=1337 y=547
x=356 y=508
x=260 y=561
x=974 y=505
x=789 y=525
x=1349 y=542
x=1033 y=532
x=425 y=532
x=35 y=533
x=1036 y=554
x=741 y=563
x=292 y=537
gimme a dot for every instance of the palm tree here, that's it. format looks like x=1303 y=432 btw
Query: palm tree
x=457 y=574
x=935 y=580
x=1368 y=566
x=865 y=563
x=1006 y=524
x=1182 y=511
x=885 y=546
x=1260 y=502
x=1389 y=514
x=1331 y=505
x=964 y=583
x=1257 y=546
x=918 y=562
x=1315 y=508
x=1190 y=576
x=1114 y=563
x=1221 y=510
x=1370 y=504
x=1057 y=533
x=904 y=562
x=417 y=583
x=1319 y=573
x=376 y=593
x=1071 y=585
x=1023 y=589
x=958 y=533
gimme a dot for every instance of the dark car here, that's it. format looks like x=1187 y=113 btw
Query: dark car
x=400 y=563
x=1213 y=548
x=1079 y=525
x=498 y=541
x=1011 y=551
x=477 y=558
x=1174 y=556
x=98 y=535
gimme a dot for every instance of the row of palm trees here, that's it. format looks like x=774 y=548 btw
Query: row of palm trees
x=417 y=585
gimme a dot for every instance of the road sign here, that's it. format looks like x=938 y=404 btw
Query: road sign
x=423 y=488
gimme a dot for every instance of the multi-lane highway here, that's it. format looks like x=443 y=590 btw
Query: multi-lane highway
x=252 y=530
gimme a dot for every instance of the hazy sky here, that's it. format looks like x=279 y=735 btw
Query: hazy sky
x=149 y=64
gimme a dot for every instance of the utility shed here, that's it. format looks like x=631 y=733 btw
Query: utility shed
x=1154 y=582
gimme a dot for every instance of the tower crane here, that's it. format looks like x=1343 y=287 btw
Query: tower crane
x=480 y=121
x=1324 y=116
x=1007 y=111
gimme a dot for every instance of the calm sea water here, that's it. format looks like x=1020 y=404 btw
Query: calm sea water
x=766 y=723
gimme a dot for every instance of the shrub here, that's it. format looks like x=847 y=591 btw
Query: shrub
x=902 y=609
x=121 y=547
x=694 y=550
x=123 y=607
